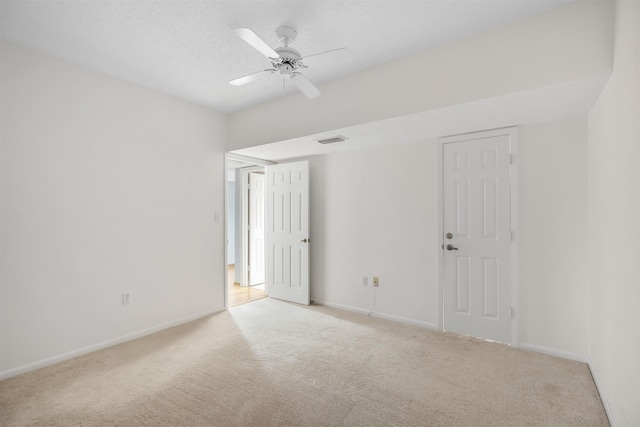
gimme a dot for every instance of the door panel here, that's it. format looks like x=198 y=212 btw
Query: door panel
x=462 y=209
x=463 y=282
x=288 y=232
x=477 y=288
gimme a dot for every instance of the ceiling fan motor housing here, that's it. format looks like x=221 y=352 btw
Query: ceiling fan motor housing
x=289 y=60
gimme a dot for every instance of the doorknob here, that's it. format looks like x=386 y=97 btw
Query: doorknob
x=450 y=247
x=304 y=241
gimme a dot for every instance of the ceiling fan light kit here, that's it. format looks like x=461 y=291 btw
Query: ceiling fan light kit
x=286 y=60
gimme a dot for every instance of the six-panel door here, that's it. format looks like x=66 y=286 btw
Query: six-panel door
x=288 y=232
x=477 y=225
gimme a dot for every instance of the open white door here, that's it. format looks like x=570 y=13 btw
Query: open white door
x=288 y=232
x=256 y=229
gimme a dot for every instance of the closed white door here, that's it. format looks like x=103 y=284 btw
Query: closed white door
x=256 y=229
x=288 y=232
x=477 y=238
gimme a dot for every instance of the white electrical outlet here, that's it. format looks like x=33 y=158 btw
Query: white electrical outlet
x=376 y=281
x=126 y=299
x=365 y=281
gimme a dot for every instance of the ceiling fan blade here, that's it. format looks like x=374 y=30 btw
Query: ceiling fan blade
x=331 y=56
x=306 y=87
x=251 y=77
x=256 y=42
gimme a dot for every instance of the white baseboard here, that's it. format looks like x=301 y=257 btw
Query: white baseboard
x=404 y=320
x=554 y=352
x=342 y=307
x=605 y=402
x=378 y=315
x=99 y=346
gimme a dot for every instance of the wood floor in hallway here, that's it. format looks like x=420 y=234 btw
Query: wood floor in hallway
x=242 y=294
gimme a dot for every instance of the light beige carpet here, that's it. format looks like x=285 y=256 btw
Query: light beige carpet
x=270 y=363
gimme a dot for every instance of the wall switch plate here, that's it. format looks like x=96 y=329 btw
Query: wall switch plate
x=126 y=299
x=365 y=281
x=376 y=282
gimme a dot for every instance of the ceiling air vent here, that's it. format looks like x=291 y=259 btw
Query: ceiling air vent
x=332 y=140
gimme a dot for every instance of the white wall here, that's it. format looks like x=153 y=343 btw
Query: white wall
x=552 y=213
x=614 y=225
x=107 y=188
x=374 y=212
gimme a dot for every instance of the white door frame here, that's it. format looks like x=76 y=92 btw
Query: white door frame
x=512 y=133
x=244 y=185
x=256 y=211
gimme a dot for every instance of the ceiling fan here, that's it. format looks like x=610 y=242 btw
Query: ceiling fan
x=287 y=61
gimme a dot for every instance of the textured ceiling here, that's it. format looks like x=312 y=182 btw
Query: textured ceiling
x=187 y=48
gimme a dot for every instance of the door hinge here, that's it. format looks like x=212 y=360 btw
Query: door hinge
x=510 y=158
x=512 y=313
x=511 y=234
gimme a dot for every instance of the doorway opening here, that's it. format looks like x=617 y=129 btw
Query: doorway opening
x=245 y=230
